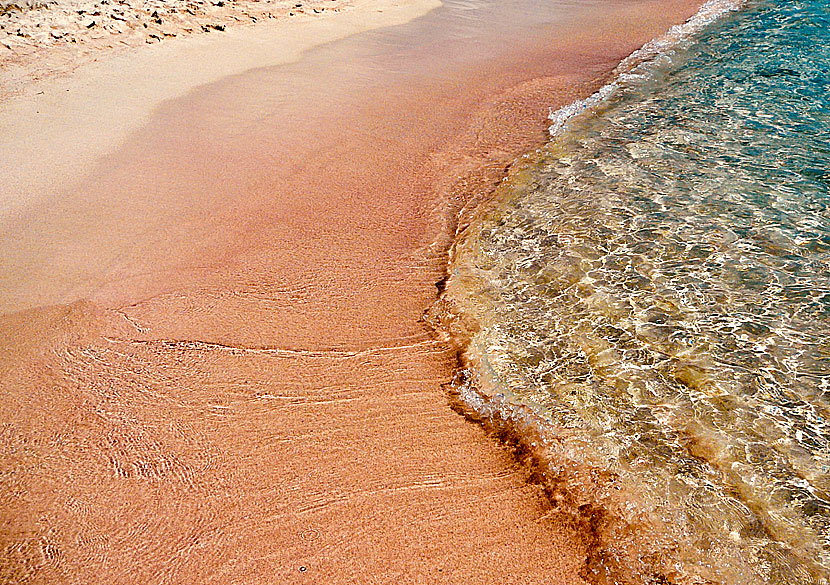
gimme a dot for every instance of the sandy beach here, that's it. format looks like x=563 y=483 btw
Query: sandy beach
x=217 y=253
x=42 y=39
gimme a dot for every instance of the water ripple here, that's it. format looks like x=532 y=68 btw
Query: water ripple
x=656 y=284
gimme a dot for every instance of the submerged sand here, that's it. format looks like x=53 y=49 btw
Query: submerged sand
x=215 y=366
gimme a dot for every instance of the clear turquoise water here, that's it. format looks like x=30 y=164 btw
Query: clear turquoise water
x=654 y=288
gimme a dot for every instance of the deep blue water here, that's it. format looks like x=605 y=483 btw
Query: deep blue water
x=655 y=285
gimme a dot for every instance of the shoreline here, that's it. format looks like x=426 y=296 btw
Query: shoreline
x=585 y=483
x=266 y=413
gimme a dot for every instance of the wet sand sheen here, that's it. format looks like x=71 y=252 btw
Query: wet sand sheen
x=229 y=378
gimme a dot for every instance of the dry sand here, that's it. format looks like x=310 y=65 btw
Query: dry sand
x=59 y=125
x=42 y=38
x=215 y=367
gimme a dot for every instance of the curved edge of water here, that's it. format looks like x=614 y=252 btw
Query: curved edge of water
x=639 y=65
x=623 y=545
x=580 y=493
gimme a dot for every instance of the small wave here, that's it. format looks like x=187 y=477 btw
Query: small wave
x=642 y=317
x=641 y=63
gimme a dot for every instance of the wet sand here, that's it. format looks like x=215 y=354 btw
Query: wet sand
x=215 y=365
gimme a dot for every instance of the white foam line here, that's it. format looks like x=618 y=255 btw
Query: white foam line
x=639 y=64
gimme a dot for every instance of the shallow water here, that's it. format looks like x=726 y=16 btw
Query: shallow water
x=655 y=286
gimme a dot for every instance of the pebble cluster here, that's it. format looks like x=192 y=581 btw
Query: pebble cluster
x=41 y=36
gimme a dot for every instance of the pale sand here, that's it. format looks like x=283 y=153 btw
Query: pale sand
x=44 y=38
x=63 y=124
x=249 y=393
